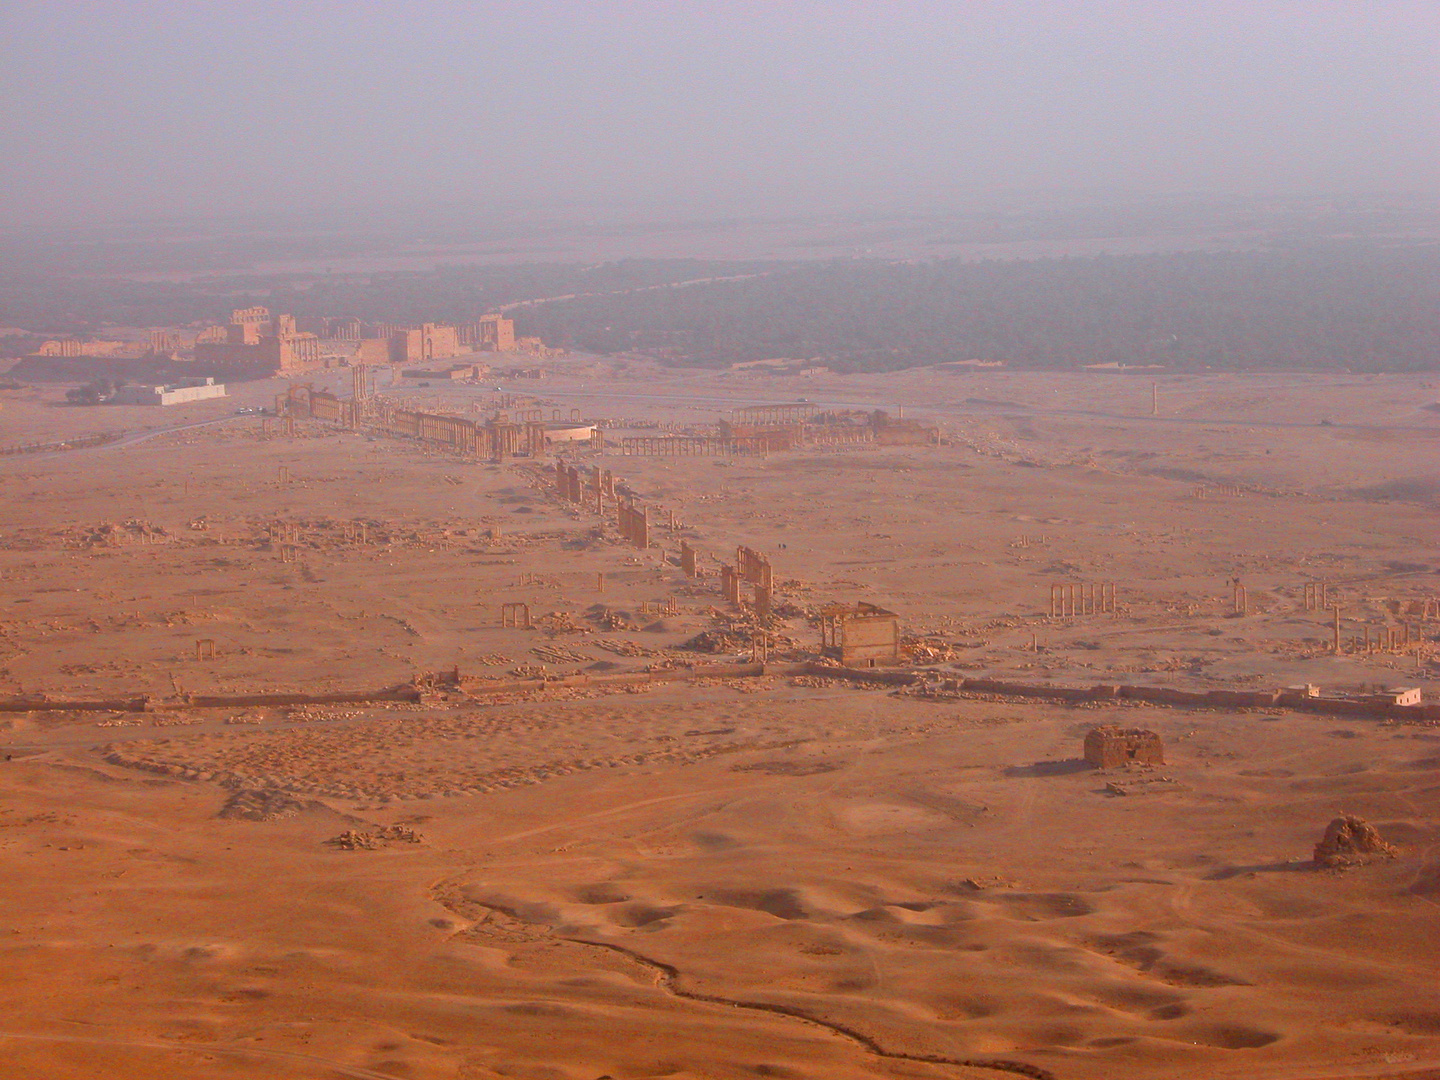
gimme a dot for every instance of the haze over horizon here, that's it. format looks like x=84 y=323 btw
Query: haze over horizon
x=159 y=109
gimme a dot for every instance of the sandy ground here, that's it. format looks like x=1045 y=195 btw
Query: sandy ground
x=789 y=877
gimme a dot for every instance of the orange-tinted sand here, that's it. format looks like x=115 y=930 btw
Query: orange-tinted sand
x=726 y=878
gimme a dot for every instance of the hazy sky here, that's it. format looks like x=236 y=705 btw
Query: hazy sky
x=111 y=110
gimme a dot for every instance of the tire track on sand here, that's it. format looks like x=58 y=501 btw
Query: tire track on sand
x=667 y=978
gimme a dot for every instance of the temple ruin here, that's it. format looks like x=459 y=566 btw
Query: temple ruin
x=860 y=635
x=1110 y=747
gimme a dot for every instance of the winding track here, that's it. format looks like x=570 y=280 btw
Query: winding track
x=667 y=978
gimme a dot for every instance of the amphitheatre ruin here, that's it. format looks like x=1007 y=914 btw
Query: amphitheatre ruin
x=635 y=721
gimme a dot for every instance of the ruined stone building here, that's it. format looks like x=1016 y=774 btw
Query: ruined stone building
x=164 y=342
x=860 y=635
x=253 y=345
x=343 y=329
x=1109 y=747
x=372 y=351
x=762 y=440
x=493 y=333
x=429 y=341
x=62 y=347
x=254 y=318
x=890 y=431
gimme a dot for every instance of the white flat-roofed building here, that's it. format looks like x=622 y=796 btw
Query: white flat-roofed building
x=180 y=394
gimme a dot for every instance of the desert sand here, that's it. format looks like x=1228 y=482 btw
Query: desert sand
x=776 y=875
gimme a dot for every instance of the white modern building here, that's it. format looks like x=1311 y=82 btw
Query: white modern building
x=187 y=391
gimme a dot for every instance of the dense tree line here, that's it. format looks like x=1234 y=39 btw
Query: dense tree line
x=1315 y=309
x=55 y=304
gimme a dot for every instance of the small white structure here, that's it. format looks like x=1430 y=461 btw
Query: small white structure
x=187 y=391
x=1399 y=695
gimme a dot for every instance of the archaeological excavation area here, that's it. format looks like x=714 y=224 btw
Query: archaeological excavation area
x=652 y=723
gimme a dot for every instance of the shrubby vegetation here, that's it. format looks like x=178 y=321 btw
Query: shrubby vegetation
x=1319 y=307
x=93 y=393
x=1367 y=310
x=53 y=304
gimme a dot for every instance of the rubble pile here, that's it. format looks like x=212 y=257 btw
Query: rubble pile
x=927 y=650
x=351 y=840
x=261 y=804
x=718 y=641
x=621 y=647
x=555 y=623
x=616 y=620
x=1351 y=841
x=108 y=534
x=313 y=713
x=558 y=654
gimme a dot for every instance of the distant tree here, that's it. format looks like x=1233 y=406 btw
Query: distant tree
x=93 y=393
x=1317 y=307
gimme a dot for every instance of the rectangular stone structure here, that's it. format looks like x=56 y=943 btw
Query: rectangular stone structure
x=1109 y=747
x=860 y=635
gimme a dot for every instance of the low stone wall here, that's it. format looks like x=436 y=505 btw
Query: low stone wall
x=343 y=697
x=1158 y=695
x=635 y=678
x=41 y=703
x=1154 y=695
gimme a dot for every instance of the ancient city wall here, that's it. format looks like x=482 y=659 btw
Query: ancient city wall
x=340 y=697
x=41 y=703
x=1156 y=695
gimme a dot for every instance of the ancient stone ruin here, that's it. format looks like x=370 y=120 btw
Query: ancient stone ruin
x=1351 y=841
x=351 y=840
x=1110 y=747
x=259 y=804
x=860 y=635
